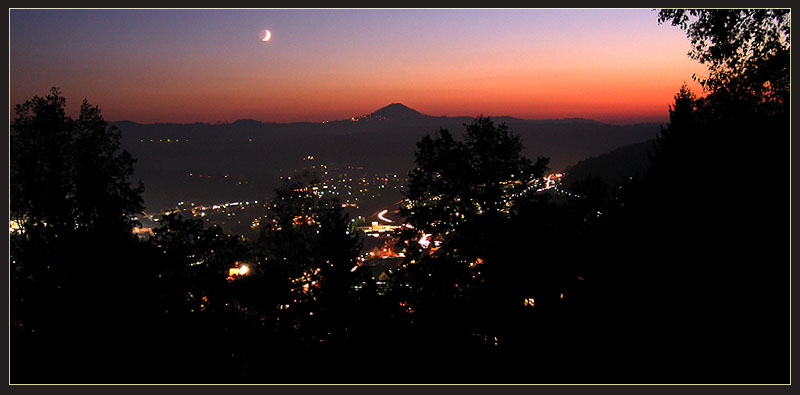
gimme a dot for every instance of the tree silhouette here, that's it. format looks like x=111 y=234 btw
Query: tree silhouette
x=312 y=246
x=73 y=254
x=196 y=261
x=747 y=53
x=695 y=231
x=199 y=310
x=492 y=242
x=69 y=175
x=460 y=185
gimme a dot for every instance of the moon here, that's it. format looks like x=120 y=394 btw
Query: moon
x=265 y=35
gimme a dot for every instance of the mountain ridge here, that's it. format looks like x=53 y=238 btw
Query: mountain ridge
x=258 y=152
x=391 y=111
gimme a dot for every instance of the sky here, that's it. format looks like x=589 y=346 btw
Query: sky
x=611 y=65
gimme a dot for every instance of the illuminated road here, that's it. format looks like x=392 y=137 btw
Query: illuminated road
x=382 y=218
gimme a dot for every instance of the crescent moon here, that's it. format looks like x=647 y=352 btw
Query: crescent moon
x=266 y=36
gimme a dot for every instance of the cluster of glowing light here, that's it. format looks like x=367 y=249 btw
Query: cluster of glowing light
x=237 y=271
x=528 y=302
x=303 y=220
x=307 y=280
x=550 y=181
x=425 y=241
x=478 y=261
x=13 y=226
x=142 y=231
x=375 y=229
x=407 y=307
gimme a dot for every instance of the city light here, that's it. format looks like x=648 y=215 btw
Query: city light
x=528 y=302
x=425 y=242
x=13 y=226
x=237 y=271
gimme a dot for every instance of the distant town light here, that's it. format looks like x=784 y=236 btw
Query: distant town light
x=529 y=302
x=13 y=226
x=238 y=271
x=425 y=242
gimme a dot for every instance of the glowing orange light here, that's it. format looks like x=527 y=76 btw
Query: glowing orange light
x=529 y=302
x=477 y=262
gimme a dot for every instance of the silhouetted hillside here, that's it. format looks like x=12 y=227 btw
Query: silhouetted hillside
x=396 y=111
x=252 y=154
x=612 y=167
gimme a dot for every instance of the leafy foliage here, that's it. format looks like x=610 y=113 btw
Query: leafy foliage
x=69 y=175
x=73 y=256
x=195 y=262
x=746 y=50
x=308 y=233
x=458 y=184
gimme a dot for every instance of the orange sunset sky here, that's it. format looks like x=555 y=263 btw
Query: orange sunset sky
x=611 y=65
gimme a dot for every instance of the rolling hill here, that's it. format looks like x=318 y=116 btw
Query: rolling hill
x=244 y=159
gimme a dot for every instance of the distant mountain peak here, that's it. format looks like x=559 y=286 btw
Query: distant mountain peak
x=396 y=111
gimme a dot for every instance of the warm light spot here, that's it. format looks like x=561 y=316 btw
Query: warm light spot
x=425 y=242
x=528 y=302
x=13 y=226
x=238 y=271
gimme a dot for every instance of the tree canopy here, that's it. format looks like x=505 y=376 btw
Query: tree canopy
x=746 y=50
x=463 y=183
x=73 y=255
x=69 y=175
